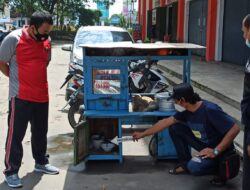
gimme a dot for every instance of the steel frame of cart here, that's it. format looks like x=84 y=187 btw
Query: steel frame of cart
x=106 y=95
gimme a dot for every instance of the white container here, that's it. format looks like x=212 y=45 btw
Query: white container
x=97 y=143
x=107 y=147
x=162 y=102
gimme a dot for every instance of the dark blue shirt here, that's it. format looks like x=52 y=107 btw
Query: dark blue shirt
x=245 y=103
x=209 y=123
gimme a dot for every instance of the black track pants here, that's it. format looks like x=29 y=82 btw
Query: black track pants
x=20 y=113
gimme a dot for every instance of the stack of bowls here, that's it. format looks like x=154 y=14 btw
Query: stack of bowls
x=107 y=146
x=97 y=140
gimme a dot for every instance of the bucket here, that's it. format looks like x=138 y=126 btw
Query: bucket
x=162 y=102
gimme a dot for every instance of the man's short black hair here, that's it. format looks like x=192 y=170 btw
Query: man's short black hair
x=40 y=17
x=247 y=21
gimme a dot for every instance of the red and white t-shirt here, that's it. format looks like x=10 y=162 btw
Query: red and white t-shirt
x=28 y=60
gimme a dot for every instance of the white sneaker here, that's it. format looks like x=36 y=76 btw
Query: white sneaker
x=46 y=168
x=13 y=181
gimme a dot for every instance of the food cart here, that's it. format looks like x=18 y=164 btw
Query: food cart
x=107 y=98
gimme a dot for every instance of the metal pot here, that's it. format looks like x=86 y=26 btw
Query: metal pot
x=162 y=102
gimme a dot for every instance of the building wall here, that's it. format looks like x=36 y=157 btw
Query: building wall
x=156 y=3
x=234 y=49
x=144 y=18
x=5 y=13
x=183 y=23
x=219 y=30
x=170 y=1
x=171 y=22
x=20 y=22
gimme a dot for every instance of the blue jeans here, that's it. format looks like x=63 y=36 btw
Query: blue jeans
x=183 y=139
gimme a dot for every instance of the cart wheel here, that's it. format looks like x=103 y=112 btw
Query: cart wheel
x=152 y=147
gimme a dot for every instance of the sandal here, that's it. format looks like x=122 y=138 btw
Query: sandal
x=175 y=171
x=216 y=181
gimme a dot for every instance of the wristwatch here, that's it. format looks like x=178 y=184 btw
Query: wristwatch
x=216 y=152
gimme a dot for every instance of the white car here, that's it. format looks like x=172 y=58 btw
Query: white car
x=92 y=35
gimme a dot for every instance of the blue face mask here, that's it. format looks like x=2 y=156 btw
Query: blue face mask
x=247 y=43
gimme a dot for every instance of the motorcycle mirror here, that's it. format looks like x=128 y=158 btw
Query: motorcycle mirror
x=67 y=47
x=69 y=76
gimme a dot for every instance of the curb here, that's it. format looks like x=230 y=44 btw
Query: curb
x=204 y=88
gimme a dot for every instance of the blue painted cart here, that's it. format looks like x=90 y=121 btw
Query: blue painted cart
x=106 y=95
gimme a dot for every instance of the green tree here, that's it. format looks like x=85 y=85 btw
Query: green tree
x=23 y=8
x=61 y=9
x=2 y=5
x=48 y=5
x=27 y=7
x=122 y=22
x=89 y=17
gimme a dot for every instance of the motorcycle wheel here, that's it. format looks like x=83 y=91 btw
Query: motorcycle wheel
x=74 y=115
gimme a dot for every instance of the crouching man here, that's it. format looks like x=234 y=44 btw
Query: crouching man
x=203 y=126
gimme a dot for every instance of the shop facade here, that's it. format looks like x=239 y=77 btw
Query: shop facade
x=233 y=45
x=215 y=24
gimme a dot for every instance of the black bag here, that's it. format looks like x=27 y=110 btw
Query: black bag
x=229 y=165
x=229 y=162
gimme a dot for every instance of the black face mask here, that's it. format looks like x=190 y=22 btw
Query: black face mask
x=41 y=37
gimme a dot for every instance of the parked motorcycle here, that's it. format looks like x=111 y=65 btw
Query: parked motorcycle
x=75 y=101
x=143 y=78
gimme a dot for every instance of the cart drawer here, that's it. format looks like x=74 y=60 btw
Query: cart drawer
x=107 y=104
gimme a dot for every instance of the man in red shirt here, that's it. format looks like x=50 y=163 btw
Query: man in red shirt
x=24 y=57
